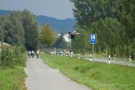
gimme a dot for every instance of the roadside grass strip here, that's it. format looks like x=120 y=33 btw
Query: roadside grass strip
x=12 y=79
x=12 y=65
x=95 y=75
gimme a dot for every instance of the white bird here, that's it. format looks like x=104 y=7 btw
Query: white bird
x=72 y=34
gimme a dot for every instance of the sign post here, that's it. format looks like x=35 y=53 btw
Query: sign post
x=93 y=40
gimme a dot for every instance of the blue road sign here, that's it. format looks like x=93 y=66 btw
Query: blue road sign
x=93 y=38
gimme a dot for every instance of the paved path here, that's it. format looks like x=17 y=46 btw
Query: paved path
x=43 y=77
x=113 y=61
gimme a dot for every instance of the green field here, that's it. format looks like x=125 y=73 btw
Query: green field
x=98 y=76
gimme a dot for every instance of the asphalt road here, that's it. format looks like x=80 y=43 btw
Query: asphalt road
x=43 y=77
x=112 y=61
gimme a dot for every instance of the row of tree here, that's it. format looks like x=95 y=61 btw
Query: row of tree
x=112 y=20
x=20 y=28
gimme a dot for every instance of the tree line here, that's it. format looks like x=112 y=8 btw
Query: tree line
x=112 y=20
x=20 y=28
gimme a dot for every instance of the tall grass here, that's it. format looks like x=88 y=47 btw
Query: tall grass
x=11 y=56
x=98 y=76
x=11 y=68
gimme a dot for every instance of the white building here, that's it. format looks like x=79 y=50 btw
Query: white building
x=67 y=38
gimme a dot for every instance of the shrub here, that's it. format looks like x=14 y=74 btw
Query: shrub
x=11 y=56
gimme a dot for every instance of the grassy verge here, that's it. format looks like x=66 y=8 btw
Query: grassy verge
x=12 y=78
x=98 y=76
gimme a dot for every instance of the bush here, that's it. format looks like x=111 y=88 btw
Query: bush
x=11 y=56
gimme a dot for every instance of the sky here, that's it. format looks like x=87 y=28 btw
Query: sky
x=60 y=9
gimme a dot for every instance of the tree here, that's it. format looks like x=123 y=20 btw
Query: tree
x=79 y=44
x=20 y=28
x=1 y=35
x=88 y=11
x=109 y=33
x=128 y=20
x=47 y=36
x=60 y=42
x=31 y=29
x=12 y=29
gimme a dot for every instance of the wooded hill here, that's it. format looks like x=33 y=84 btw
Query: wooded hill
x=59 y=26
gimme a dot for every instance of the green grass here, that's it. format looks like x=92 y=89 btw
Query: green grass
x=12 y=78
x=98 y=76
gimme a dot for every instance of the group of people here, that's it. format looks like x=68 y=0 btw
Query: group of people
x=31 y=53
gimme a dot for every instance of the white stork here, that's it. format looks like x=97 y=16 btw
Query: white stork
x=72 y=34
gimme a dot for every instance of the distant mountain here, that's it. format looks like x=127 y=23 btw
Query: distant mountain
x=2 y=12
x=59 y=26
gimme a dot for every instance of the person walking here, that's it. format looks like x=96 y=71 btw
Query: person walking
x=32 y=52
x=29 y=53
x=37 y=53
